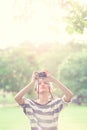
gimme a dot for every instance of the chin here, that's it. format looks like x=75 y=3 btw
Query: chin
x=42 y=91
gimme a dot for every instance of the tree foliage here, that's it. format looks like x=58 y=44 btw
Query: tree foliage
x=76 y=16
x=16 y=67
x=73 y=71
x=66 y=62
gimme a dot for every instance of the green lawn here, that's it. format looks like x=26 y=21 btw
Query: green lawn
x=71 y=118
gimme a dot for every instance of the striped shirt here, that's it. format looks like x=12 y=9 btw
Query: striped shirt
x=43 y=117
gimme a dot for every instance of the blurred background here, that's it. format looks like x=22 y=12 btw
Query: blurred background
x=39 y=35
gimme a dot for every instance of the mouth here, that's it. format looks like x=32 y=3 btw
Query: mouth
x=43 y=87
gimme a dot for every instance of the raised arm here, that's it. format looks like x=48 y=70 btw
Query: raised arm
x=20 y=95
x=67 y=92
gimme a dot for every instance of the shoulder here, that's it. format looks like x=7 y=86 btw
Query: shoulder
x=25 y=101
x=59 y=101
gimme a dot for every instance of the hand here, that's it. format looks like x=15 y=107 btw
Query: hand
x=50 y=77
x=34 y=76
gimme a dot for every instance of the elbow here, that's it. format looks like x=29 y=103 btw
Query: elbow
x=19 y=100
x=71 y=96
x=16 y=98
x=68 y=98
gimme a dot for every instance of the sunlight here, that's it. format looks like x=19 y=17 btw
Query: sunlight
x=34 y=21
x=81 y=1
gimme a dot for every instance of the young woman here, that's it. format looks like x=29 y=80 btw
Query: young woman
x=43 y=112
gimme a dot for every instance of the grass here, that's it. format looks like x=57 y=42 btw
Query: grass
x=12 y=118
x=71 y=118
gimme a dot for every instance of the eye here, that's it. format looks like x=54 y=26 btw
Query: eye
x=39 y=83
x=43 y=82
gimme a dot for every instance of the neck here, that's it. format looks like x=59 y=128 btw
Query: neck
x=43 y=98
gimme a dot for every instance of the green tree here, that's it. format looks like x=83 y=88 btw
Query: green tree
x=16 y=67
x=76 y=16
x=73 y=71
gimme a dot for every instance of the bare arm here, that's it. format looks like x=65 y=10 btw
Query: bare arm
x=20 y=95
x=67 y=92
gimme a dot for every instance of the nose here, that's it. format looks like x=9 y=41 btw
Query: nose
x=42 y=83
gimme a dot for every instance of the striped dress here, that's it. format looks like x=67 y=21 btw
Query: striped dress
x=43 y=117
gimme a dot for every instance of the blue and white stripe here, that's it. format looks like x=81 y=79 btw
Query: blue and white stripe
x=43 y=115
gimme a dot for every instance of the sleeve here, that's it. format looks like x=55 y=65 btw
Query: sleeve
x=60 y=103
x=25 y=106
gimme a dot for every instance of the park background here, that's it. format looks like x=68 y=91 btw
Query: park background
x=41 y=35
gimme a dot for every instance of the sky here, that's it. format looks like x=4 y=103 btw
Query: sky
x=35 y=21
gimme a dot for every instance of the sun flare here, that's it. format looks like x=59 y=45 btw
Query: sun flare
x=34 y=21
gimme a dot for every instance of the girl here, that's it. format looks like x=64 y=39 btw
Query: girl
x=43 y=112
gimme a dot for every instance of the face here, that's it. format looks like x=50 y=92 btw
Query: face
x=43 y=86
